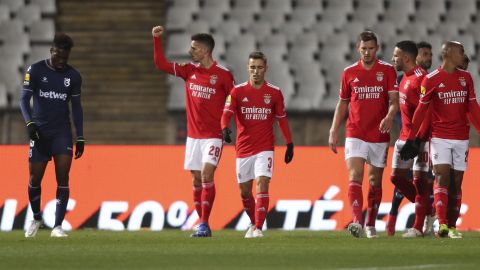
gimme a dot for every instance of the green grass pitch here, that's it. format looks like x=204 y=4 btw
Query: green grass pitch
x=227 y=249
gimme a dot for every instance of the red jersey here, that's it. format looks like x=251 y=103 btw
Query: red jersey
x=409 y=96
x=367 y=91
x=206 y=91
x=449 y=94
x=255 y=110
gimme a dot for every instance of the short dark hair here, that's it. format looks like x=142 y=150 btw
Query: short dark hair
x=367 y=36
x=63 y=41
x=409 y=47
x=258 y=55
x=205 y=39
x=424 y=44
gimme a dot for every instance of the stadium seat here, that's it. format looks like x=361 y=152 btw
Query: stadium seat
x=29 y=14
x=244 y=16
x=304 y=15
x=3 y=95
x=280 y=6
x=307 y=42
x=37 y=53
x=10 y=76
x=14 y=5
x=48 y=7
x=464 y=6
x=400 y=6
x=447 y=30
x=301 y=57
x=259 y=29
x=239 y=49
x=309 y=96
x=368 y=16
x=189 y=6
x=340 y=42
x=279 y=74
x=310 y=4
x=307 y=73
x=178 y=18
x=323 y=29
x=416 y=30
x=178 y=45
x=212 y=16
x=353 y=28
x=345 y=6
x=468 y=42
x=275 y=47
x=435 y=6
x=42 y=31
x=274 y=17
x=291 y=29
x=385 y=30
x=198 y=26
x=337 y=17
x=229 y=29
x=176 y=98
x=458 y=17
x=397 y=17
x=218 y=5
x=428 y=17
x=252 y=5
x=4 y=13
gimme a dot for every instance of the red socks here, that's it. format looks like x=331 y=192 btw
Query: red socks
x=422 y=201
x=454 y=205
x=208 y=196
x=404 y=186
x=355 y=197
x=374 y=200
x=197 y=199
x=249 y=207
x=261 y=209
x=441 y=202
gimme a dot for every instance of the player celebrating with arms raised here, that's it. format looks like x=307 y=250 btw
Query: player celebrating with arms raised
x=207 y=84
x=256 y=104
x=370 y=87
x=53 y=84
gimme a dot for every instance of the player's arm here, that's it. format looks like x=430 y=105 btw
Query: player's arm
x=424 y=131
x=387 y=122
x=281 y=116
x=77 y=115
x=338 y=117
x=159 y=57
x=26 y=95
x=228 y=112
x=473 y=113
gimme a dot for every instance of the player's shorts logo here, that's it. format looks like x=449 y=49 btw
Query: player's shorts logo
x=213 y=79
x=379 y=76
x=66 y=82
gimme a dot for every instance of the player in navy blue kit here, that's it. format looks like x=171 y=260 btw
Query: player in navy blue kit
x=53 y=84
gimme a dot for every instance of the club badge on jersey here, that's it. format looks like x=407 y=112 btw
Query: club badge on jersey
x=267 y=98
x=213 y=79
x=379 y=76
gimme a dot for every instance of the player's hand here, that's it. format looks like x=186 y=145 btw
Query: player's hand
x=410 y=149
x=333 y=140
x=226 y=135
x=79 y=147
x=386 y=124
x=32 y=130
x=289 y=153
x=157 y=31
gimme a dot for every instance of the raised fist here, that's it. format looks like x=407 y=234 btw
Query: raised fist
x=157 y=31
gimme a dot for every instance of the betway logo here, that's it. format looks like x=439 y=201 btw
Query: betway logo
x=53 y=95
x=367 y=89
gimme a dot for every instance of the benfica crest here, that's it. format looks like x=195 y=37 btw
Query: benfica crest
x=379 y=76
x=66 y=82
x=267 y=98
x=462 y=81
x=213 y=79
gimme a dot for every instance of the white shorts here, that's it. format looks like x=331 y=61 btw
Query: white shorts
x=254 y=166
x=452 y=152
x=419 y=163
x=199 y=151
x=374 y=153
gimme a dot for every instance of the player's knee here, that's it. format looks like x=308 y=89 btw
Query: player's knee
x=245 y=194
x=35 y=181
x=62 y=181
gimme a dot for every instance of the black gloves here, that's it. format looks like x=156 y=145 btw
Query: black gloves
x=79 y=147
x=32 y=130
x=226 y=135
x=289 y=153
x=410 y=149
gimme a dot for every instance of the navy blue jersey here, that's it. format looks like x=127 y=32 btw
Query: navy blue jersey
x=52 y=91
